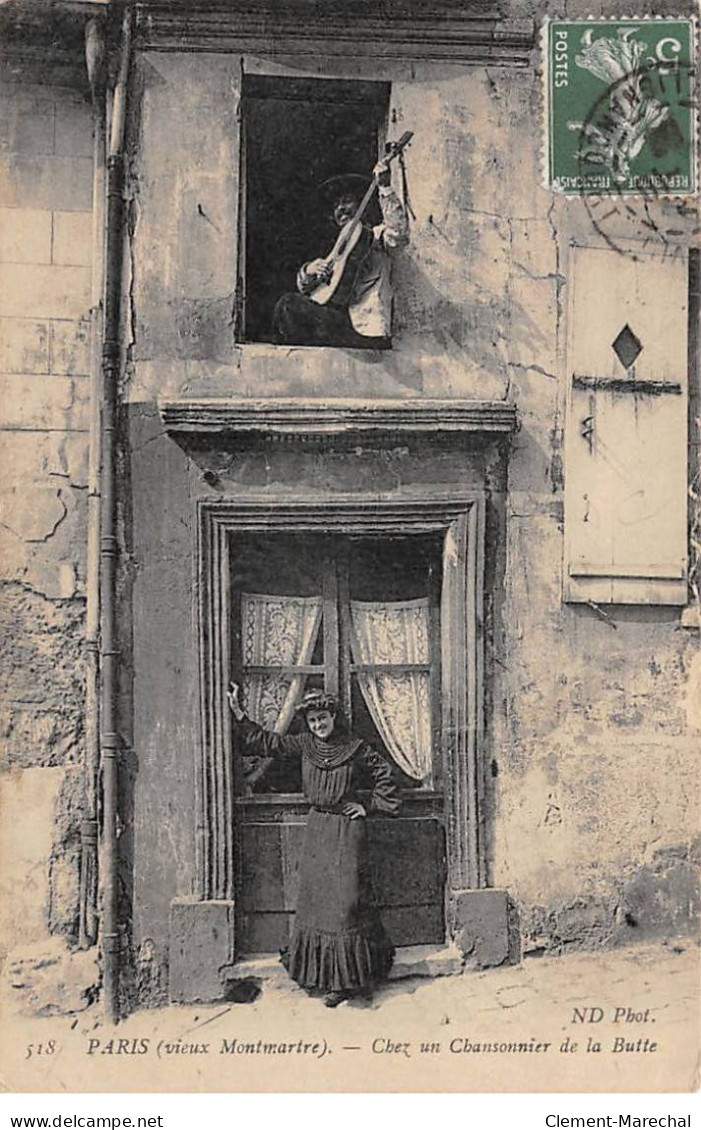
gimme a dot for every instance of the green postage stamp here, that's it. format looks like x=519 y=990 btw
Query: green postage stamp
x=621 y=107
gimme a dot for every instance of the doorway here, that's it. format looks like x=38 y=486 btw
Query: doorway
x=359 y=617
x=247 y=847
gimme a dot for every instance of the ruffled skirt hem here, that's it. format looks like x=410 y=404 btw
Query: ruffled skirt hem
x=351 y=960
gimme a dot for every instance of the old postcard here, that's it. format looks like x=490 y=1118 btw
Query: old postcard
x=351 y=690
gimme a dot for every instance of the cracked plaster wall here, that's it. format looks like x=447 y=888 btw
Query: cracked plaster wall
x=593 y=803
x=592 y=730
x=45 y=241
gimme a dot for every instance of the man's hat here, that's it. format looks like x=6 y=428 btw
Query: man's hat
x=349 y=184
x=346 y=184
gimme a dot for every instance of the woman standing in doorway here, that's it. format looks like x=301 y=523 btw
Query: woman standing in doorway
x=338 y=946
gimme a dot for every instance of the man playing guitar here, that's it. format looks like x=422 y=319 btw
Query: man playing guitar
x=359 y=317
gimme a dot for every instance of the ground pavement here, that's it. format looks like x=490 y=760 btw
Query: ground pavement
x=619 y=1020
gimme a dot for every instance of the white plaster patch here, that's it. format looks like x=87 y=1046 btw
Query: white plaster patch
x=693 y=695
x=616 y=805
x=48 y=979
x=27 y=801
x=34 y=513
x=533 y=248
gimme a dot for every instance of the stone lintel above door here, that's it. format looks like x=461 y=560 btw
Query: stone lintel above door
x=304 y=420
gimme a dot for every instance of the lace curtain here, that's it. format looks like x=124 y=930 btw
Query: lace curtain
x=276 y=631
x=399 y=702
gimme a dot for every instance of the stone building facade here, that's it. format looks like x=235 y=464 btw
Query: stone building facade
x=46 y=197
x=564 y=804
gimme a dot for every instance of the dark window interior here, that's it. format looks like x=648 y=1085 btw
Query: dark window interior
x=365 y=568
x=297 y=133
x=391 y=568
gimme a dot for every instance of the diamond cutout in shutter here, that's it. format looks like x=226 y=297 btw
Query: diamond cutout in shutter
x=627 y=347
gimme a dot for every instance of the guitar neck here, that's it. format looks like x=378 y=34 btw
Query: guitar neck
x=361 y=207
x=394 y=152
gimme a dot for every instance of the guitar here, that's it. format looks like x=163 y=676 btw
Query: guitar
x=353 y=243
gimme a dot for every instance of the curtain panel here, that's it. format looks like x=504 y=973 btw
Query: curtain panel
x=277 y=631
x=399 y=702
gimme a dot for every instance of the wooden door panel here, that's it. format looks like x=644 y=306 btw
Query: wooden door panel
x=414 y=925
x=406 y=857
x=263 y=933
x=269 y=856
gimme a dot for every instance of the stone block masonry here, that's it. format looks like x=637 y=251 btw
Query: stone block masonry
x=591 y=720
x=588 y=728
x=45 y=256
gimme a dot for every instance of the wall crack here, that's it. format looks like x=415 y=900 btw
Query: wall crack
x=532 y=369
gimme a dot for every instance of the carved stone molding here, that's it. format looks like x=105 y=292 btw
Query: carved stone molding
x=304 y=419
x=460 y=518
x=355 y=29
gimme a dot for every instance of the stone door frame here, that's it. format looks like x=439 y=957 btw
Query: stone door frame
x=461 y=520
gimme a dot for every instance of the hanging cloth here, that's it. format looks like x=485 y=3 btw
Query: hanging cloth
x=277 y=631
x=399 y=702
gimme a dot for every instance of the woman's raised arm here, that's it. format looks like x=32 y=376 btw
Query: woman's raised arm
x=253 y=739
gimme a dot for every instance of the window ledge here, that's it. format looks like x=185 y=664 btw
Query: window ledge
x=307 y=418
x=269 y=799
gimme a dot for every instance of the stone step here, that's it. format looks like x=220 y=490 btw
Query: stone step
x=410 y=961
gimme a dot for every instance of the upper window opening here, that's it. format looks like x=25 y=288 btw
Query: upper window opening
x=309 y=150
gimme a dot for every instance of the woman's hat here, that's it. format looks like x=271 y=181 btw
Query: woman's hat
x=317 y=700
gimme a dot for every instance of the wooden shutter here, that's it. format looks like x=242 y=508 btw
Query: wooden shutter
x=626 y=429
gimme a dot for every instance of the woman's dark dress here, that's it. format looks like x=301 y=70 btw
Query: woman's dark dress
x=338 y=942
